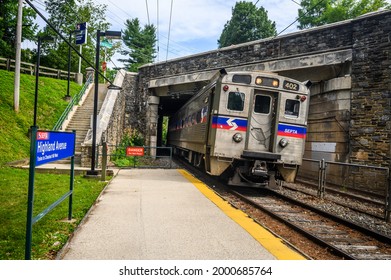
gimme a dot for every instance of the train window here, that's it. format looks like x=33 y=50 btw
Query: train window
x=243 y=79
x=262 y=104
x=198 y=117
x=235 y=101
x=292 y=108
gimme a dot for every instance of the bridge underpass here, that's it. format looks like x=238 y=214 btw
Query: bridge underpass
x=168 y=94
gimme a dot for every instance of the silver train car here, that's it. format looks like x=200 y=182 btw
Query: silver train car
x=249 y=127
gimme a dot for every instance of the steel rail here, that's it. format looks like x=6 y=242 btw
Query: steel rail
x=338 y=250
x=306 y=233
x=379 y=236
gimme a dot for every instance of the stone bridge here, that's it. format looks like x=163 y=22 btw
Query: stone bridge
x=348 y=63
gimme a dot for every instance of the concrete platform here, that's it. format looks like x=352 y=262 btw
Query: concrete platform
x=161 y=214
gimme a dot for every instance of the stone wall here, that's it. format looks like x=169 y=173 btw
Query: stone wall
x=316 y=40
x=367 y=37
x=135 y=104
x=371 y=90
x=328 y=121
x=119 y=122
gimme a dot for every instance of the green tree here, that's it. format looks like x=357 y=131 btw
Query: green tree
x=141 y=43
x=8 y=19
x=64 y=15
x=319 y=12
x=248 y=23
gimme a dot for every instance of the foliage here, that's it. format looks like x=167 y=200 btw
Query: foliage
x=316 y=13
x=119 y=157
x=55 y=54
x=15 y=145
x=134 y=139
x=141 y=44
x=248 y=23
x=8 y=20
x=165 y=130
x=50 y=233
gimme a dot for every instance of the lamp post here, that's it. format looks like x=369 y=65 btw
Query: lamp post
x=30 y=196
x=108 y=35
x=68 y=96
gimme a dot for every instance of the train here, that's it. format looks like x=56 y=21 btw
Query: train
x=248 y=127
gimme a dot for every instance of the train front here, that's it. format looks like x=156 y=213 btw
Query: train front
x=259 y=120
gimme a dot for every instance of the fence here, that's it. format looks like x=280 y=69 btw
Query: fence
x=369 y=181
x=29 y=68
x=150 y=157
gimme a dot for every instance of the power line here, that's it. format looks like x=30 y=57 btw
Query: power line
x=39 y=2
x=160 y=46
x=171 y=51
x=65 y=40
x=309 y=10
x=169 y=29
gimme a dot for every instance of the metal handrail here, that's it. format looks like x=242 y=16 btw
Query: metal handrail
x=322 y=180
x=75 y=100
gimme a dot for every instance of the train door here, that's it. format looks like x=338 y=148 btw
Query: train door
x=261 y=124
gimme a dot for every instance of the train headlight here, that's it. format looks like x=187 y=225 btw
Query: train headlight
x=237 y=137
x=283 y=142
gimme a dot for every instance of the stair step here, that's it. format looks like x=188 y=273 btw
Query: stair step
x=81 y=120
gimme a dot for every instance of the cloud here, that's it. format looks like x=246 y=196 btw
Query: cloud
x=195 y=25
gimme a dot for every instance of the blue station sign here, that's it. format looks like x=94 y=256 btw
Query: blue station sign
x=81 y=34
x=54 y=145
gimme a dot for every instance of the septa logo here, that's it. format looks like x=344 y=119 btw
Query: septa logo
x=42 y=135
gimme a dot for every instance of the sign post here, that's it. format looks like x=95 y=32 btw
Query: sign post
x=81 y=38
x=45 y=147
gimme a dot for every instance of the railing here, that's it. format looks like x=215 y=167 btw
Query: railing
x=370 y=181
x=116 y=154
x=29 y=68
x=75 y=101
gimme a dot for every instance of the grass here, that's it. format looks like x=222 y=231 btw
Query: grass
x=51 y=232
x=14 y=141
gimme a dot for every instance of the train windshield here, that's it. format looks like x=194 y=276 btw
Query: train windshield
x=262 y=104
x=236 y=101
x=292 y=108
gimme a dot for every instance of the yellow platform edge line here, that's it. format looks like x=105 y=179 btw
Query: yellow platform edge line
x=269 y=241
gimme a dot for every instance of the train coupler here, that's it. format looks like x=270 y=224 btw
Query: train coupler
x=259 y=169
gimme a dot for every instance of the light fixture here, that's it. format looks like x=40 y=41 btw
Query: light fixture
x=237 y=137
x=283 y=142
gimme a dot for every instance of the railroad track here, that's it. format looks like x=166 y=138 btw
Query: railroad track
x=344 y=238
x=333 y=236
x=360 y=201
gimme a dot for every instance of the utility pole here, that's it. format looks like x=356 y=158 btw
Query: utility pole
x=18 y=44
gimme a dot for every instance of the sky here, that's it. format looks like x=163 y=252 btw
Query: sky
x=186 y=27
x=189 y=27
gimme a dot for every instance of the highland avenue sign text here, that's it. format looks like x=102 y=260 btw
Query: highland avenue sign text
x=54 y=145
